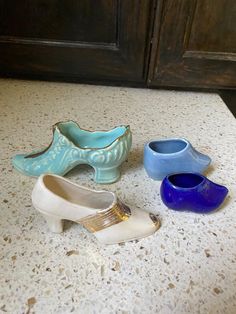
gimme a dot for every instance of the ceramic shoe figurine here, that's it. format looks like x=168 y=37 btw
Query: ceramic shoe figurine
x=193 y=192
x=71 y=146
x=173 y=155
x=100 y=212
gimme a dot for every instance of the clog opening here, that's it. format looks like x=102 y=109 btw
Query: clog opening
x=168 y=147
x=185 y=180
x=87 y=139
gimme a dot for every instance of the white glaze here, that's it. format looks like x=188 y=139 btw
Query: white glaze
x=188 y=266
x=59 y=199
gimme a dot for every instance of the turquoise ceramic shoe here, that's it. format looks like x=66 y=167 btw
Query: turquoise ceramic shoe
x=71 y=146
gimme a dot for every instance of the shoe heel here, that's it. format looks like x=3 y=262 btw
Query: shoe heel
x=106 y=175
x=55 y=224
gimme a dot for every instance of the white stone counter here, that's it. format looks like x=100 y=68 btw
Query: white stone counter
x=188 y=266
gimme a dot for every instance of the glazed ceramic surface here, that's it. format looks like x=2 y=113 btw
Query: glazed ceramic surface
x=100 y=212
x=71 y=146
x=193 y=192
x=168 y=156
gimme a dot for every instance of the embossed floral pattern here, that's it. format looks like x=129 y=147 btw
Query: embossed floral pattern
x=62 y=155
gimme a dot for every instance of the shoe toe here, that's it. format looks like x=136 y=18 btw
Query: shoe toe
x=205 y=159
x=18 y=162
x=139 y=225
x=204 y=162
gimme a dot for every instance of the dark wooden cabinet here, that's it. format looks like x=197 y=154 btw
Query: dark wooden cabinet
x=194 y=44
x=167 y=43
x=80 y=39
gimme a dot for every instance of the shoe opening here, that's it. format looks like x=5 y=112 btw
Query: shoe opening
x=87 y=139
x=185 y=180
x=78 y=195
x=168 y=146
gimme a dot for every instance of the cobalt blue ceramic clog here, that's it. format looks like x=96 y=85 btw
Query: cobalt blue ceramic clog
x=173 y=155
x=193 y=192
x=71 y=146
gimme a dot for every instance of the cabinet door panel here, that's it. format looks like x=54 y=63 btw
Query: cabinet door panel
x=195 y=44
x=60 y=20
x=213 y=27
x=86 y=39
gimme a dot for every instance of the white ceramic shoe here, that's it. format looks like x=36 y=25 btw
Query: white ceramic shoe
x=100 y=212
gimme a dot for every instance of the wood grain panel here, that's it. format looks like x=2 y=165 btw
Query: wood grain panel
x=104 y=40
x=213 y=26
x=194 y=45
x=71 y=20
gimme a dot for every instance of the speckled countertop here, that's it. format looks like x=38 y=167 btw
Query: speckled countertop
x=188 y=266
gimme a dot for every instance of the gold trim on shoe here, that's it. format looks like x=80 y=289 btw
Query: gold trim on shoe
x=116 y=214
x=155 y=219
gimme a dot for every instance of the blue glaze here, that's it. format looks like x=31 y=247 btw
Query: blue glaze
x=71 y=146
x=168 y=156
x=193 y=192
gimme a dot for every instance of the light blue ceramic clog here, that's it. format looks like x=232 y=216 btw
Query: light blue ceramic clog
x=164 y=157
x=71 y=146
